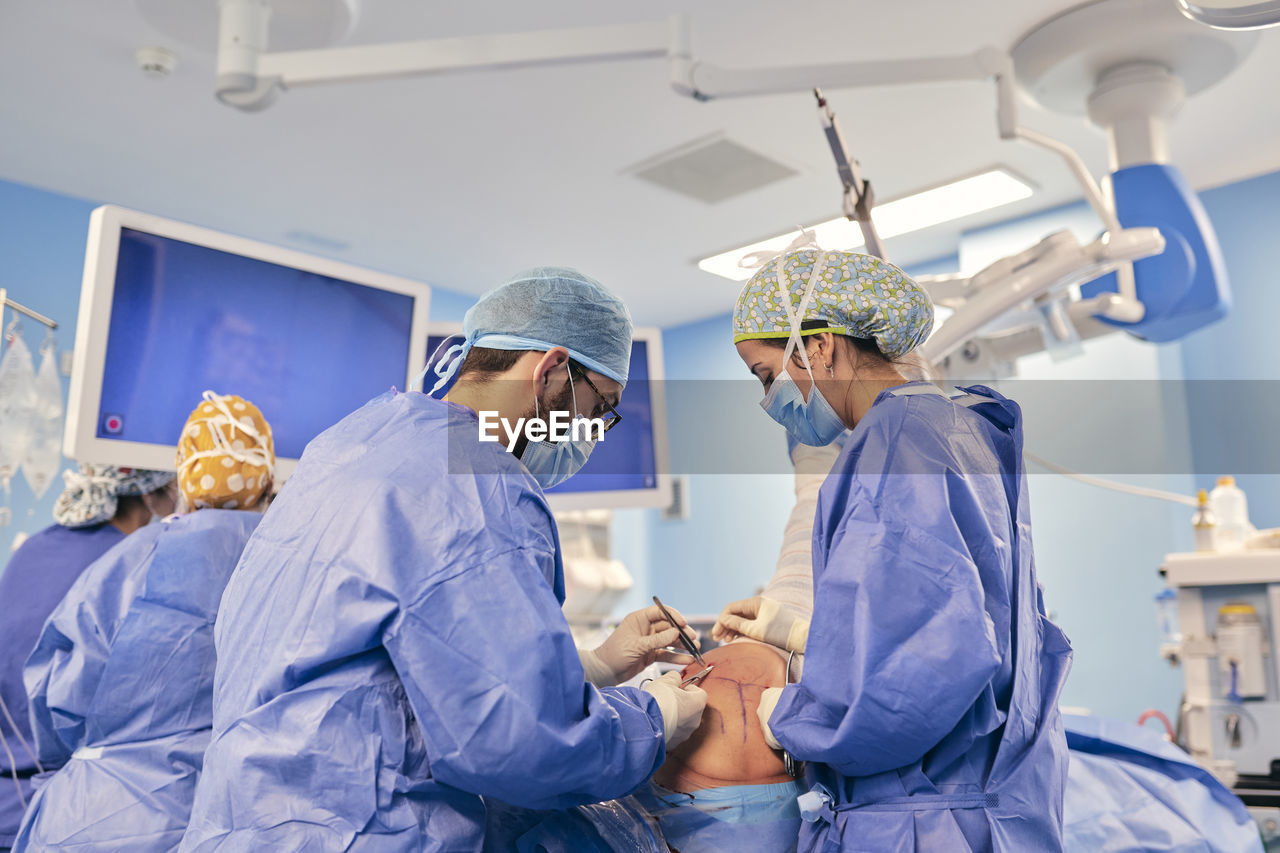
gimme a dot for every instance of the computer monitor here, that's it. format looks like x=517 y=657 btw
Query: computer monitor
x=629 y=468
x=168 y=310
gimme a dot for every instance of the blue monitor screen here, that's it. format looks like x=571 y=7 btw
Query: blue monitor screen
x=625 y=460
x=305 y=348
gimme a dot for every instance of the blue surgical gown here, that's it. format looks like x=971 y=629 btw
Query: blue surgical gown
x=1129 y=791
x=121 y=688
x=928 y=704
x=391 y=648
x=38 y=574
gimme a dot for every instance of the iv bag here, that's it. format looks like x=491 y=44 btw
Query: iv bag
x=17 y=404
x=44 y=454
x=17 y=411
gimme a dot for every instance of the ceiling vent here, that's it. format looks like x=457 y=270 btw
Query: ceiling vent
x=711 y=170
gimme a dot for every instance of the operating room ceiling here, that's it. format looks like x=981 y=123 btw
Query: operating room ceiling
x=460 y=180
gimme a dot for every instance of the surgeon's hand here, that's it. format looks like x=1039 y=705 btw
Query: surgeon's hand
x=765 y=620
x=633 y=645
x=681 y=707
x=768 y=701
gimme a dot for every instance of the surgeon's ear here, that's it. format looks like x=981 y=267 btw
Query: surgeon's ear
x=823 y=353
x=552 y=361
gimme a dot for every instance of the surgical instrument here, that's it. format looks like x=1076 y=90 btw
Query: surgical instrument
x=697 y=676
x=684 y=638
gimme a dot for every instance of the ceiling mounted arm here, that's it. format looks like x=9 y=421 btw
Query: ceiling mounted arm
x=249 y=77
x=707 y=82
x=704 y=82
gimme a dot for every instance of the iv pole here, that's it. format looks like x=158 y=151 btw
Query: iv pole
x=22 y=309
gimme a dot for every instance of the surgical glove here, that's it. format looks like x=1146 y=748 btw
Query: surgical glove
x=768 y=701
x=765 y=620
x=595 y=670
x=633 y=645
x=681 y=707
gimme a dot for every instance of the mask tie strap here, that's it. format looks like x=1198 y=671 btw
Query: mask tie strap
x=447 y=367
x=794 y=314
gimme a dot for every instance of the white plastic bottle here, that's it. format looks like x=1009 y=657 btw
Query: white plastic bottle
x=1231 y=510
x=1204 y=524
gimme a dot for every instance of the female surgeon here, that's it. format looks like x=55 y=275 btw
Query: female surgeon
x=121 y=681
x=927 y=709
x=101 y=505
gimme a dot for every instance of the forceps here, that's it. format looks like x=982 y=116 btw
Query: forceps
x=697 y=676
x=684 y=638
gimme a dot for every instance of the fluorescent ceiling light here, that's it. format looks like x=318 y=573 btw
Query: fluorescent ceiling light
x=912 y=213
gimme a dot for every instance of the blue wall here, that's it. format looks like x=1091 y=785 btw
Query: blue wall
x=1245 y=345
x=728 y=546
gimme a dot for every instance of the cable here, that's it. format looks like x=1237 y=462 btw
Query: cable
x=13 y=764
x=22 y=740
x=1153 y=714
x=1078 y=168
x=1140 y=491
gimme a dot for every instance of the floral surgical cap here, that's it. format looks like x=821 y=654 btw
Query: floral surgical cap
x=226 y=456
x=91 y=494
x=857 y=295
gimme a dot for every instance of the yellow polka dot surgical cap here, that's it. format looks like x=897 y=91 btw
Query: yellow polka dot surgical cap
x=226 y=456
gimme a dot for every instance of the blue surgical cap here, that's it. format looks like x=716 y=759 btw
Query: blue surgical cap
x=543 y=308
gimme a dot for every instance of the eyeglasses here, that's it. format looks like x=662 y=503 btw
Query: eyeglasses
x=612 y=418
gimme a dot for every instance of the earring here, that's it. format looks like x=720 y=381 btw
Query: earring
x=831 y=370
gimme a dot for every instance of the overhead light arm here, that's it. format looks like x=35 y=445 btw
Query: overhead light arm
x=1044 y=271
x=858 y=197
x=704 y=82
x=249 y=77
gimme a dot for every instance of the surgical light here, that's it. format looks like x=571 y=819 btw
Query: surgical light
x=951 y=201
x=1232 y=14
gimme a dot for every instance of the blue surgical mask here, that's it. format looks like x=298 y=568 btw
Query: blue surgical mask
x=811 y=421
x=553 y=462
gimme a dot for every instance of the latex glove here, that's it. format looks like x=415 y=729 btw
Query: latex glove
x=765 y=620
x=681 y=707
x=768 y=701
x=632 y=646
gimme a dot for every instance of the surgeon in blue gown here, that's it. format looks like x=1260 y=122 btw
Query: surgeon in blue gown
x=121 y=679
x=391 y=647
x=100 y=506
x=927 y=710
